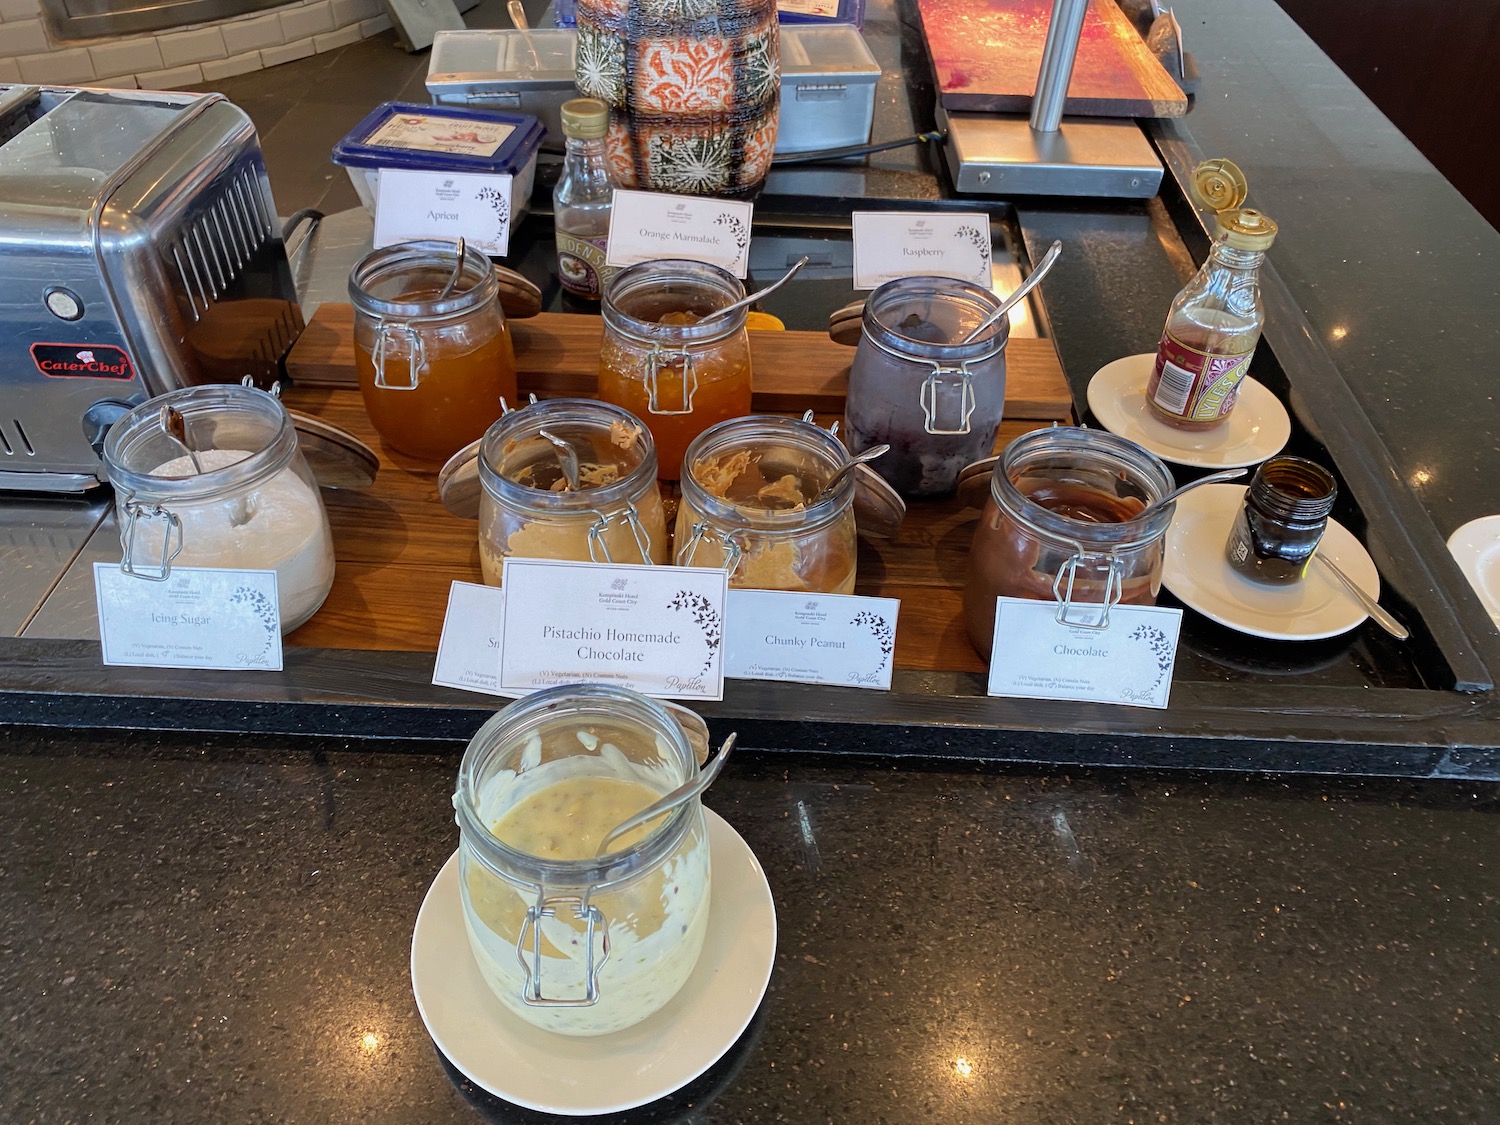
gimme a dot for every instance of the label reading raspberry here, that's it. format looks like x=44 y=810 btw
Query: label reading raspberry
x=1195 y=385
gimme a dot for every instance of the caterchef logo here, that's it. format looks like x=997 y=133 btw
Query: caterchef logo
x=86 y=361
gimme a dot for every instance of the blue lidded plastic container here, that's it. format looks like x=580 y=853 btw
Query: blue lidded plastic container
x=429 y=138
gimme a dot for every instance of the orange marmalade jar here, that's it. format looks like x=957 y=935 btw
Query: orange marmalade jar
x=664 y=359
x=432 y=368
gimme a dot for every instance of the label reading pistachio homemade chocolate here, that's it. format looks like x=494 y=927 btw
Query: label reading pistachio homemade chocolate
x=580 y=265
x=1196 y=385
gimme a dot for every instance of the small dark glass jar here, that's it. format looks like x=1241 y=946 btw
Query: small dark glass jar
x=1282 y=520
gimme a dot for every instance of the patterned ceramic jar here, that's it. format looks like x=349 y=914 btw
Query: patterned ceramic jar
x=694 y=88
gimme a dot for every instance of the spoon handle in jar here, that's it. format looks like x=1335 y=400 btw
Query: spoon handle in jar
x=678 y=796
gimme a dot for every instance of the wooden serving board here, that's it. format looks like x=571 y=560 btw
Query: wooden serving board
x=557 y=355
x=986 y=54
x=398 y=549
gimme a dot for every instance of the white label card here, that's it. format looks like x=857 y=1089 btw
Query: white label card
x=647 y=225
x=1129 y=662
x=198 y=617
x=413 y=205
x=656 y=629
x=810 y=638
x=468 y=654
x=892 y=244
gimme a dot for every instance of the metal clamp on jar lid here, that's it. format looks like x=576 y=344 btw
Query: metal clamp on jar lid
x=919 y=384
x=667 y=307
x=411 y=284
x=572 y=941
x=754 y=500
x=212 y=476
x=1067 y=520
x=568 y=479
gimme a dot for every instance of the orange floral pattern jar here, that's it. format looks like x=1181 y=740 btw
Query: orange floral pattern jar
x=694 y=88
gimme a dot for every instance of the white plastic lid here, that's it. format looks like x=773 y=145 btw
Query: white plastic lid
x=835 y=49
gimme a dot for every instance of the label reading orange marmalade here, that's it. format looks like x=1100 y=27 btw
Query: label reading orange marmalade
x=1195 y=385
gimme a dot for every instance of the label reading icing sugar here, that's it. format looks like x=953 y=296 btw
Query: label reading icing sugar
x=197 y=617
x=1193 y=384
x=580 y=265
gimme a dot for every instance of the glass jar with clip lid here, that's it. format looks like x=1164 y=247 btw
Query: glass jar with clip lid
x=919 y=384
x=1066 y=521
x=431 y=345
x=755 y=501
x=667 y=359
x=213 y=476
x=571 y=479
x=571 y=941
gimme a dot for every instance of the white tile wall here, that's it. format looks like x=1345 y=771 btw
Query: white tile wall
x=235 y=64
x=65 y=67
x=341 y=38
x=128 y=56
x=346 y=12
x=274 y=56
x=253 y=34
x=179 y=48
x=181 y=57
x=307 y=21
x=171 y=78
x=25 y=37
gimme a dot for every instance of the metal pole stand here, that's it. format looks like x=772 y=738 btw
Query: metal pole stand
x=1082 y=156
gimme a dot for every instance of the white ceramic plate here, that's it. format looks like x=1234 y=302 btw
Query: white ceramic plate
x=1476 y=547
x=1257 y=428
x=1197 y=571
x=608 y=1073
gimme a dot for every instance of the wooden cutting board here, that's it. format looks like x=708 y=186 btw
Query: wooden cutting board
x=557 y=354
x=986 y=54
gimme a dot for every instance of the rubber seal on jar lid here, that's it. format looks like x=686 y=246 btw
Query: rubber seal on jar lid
x=1219 y=185
x=878 y=508
x=336 y=457
x=459 y=487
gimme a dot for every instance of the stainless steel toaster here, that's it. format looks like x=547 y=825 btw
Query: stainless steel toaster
x=139 y=252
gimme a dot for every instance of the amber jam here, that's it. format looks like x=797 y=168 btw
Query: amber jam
x=432 y=368
x=668 y=360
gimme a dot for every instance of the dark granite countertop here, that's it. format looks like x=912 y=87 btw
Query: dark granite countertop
x=221 y=934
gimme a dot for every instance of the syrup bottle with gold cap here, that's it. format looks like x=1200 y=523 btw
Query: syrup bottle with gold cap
x=582 y=200
x=1215 y=322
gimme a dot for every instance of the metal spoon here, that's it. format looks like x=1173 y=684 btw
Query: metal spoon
x=743 y=302
x=1372 y=607
x=518 y=17
x=868 y=455
x=175 y=426
x=458 y=268
x=685 y=792
x=1212 y=478
x=568 y=456
x=1048 y=260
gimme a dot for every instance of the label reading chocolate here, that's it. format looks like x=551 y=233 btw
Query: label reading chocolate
x=82 y=361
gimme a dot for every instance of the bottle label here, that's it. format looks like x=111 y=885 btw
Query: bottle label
x=1195 y=385
x=580 y=265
